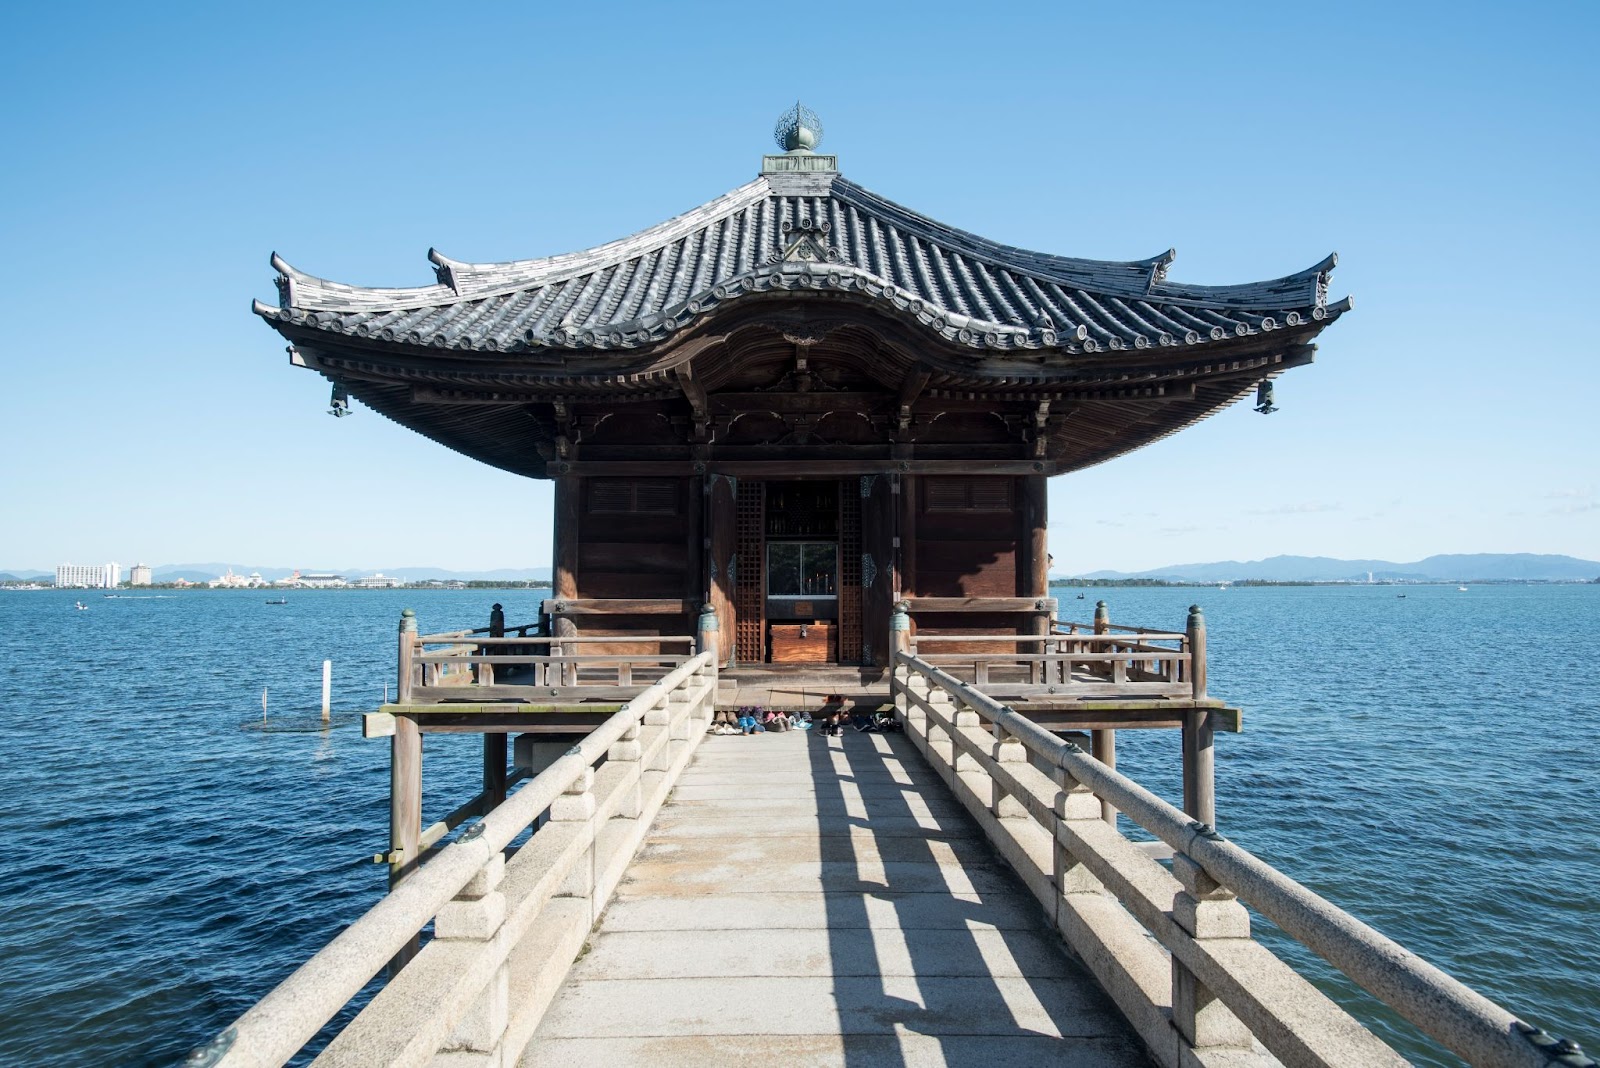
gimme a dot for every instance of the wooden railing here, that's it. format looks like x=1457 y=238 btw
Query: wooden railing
x=501 y=663
x=1173 y=947
x=1067 y=659
x=507 y=923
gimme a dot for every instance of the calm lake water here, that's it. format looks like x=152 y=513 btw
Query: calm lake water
x=1427 y=763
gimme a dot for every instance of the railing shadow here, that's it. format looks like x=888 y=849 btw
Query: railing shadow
x=930 y=934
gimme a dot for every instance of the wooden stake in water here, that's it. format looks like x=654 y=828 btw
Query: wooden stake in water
x=327 y=686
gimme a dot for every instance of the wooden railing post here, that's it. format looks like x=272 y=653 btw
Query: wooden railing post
x=706 y=631
x=1199 y=753
x=899 y=675
x=476 y=915
x=1195 y=639
x=1206 y=911
x=408 y=650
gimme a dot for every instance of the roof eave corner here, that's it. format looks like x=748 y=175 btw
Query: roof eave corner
x=444 y=269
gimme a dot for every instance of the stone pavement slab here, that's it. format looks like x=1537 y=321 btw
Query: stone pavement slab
x=824 y=901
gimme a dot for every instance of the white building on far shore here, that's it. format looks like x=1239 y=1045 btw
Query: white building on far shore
x=380 y=581
x=92 y=576
x=139 y=575
x=313 y=580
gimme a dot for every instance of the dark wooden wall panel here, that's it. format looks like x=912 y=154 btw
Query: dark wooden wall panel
x=635 y=543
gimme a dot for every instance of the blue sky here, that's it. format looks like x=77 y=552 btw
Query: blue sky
x=156 y=158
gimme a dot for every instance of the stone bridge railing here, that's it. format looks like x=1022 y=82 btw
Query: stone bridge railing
x=505 y=931
x=1173 y=947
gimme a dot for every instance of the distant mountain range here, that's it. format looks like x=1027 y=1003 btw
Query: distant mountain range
x=1469 y=567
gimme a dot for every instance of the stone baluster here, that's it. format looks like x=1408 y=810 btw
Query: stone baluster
x=1008 y=749
x=476 y=915
x=576 y=805
x=626 y=750
x=940 y=749
x=680 y=718
x=1075 y=803
x=1208 y=911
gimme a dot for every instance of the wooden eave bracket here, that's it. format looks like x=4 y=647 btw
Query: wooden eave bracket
x=695 y=394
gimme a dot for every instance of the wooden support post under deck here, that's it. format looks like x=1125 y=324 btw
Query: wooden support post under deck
x=405 y=778
x=1104 y=743
x=494 y=745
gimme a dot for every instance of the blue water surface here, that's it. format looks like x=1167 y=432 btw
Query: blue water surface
x=1427 y=762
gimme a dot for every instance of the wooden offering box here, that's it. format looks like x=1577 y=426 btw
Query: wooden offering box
x=802 y=643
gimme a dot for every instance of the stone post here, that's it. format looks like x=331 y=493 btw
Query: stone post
x=1206 y=911
x=476 y=915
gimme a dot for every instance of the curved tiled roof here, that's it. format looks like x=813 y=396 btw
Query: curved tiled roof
x=792 y=233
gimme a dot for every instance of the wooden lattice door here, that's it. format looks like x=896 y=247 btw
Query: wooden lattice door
x=749 y=578
x=850 y=579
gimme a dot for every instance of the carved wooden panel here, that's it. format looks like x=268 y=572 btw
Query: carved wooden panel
x=749 y=582
x=850 y=570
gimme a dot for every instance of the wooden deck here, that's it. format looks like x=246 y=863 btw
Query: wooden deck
x=824 y=901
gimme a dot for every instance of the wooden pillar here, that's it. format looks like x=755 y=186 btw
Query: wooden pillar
x=1104 y=745
x=564 y=580
x=723 y=538
x=1035 y=577
x=695 y=544
x=908 y=535
x=1199 y=754
x=877 y=548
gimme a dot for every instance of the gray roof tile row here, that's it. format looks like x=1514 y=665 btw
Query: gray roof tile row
x=825 y=234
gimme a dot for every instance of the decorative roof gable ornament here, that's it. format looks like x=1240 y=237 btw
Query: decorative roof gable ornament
x=805 y=241
x=798 y=132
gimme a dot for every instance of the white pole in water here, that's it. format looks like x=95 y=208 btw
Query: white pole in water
x=327 y=686
x=263 y=704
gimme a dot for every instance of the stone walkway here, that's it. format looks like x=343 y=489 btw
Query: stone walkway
x=806 y=900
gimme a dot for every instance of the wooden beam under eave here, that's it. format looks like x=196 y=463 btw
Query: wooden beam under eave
x=802 y=468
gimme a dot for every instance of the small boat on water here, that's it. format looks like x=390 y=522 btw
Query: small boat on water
x=1461 y=589
x=80 y=606
x=280 y=600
